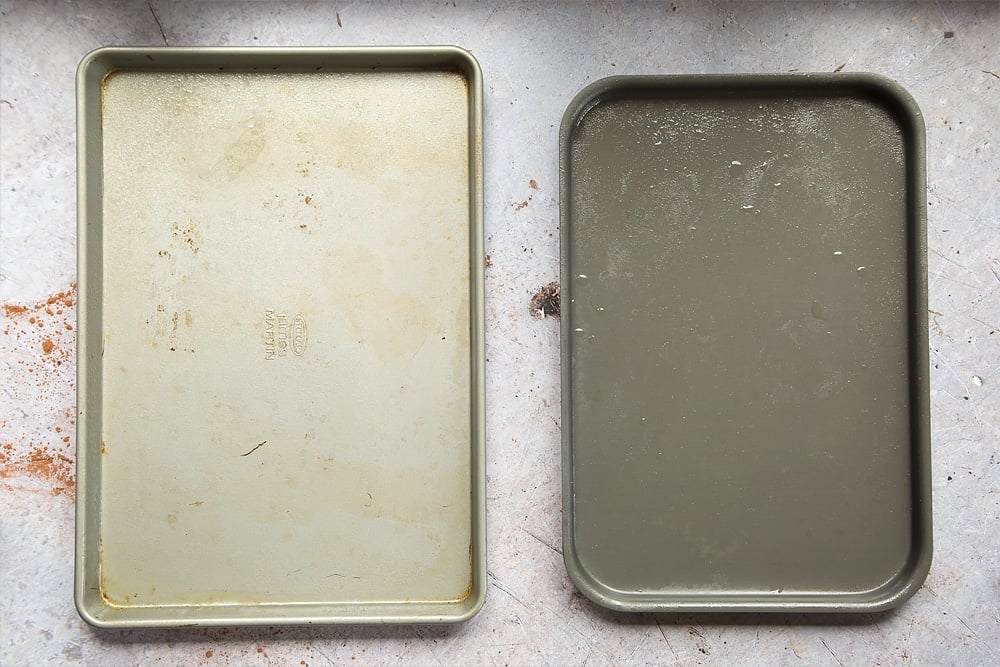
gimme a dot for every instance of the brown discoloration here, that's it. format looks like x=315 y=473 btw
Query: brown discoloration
x=466 y=593
x=47 y=346
x=488 y=260
x=104 y=91
x=247 y=149
x=188 y=234
x=546 y=302
x=522 y=205
x=533 y=184
x=305 y=168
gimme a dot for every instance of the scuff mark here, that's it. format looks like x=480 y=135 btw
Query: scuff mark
x=827 y=646
x=159 y=25
x=258 y=446
x=543 y=542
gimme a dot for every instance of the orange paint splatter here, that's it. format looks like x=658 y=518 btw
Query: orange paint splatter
x=35 y=447
x=39 y=462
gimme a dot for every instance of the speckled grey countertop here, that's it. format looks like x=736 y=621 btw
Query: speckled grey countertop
x=535 y=57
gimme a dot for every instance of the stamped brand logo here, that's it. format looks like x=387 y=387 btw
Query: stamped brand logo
x=298 y=335
x=283 y=334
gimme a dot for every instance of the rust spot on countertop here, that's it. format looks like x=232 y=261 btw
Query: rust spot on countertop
x=532 y=184
x=40 y=342
x=39 y=462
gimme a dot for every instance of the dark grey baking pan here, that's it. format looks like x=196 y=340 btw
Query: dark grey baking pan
x=744 y=344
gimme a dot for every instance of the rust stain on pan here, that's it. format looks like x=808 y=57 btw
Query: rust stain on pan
x=104 y=90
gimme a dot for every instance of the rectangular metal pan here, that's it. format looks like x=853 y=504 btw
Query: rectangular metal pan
x=281 y=336
x=744 y=343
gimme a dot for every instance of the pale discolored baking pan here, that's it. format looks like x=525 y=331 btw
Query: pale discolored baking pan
x=744 y=343
x=281 y=336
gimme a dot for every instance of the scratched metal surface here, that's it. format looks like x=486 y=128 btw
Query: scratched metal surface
x=534 y=58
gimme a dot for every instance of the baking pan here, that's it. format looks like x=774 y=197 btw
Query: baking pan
x=745 y=384
x=281 y=336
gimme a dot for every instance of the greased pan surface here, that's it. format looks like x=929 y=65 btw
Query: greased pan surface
x=744 y=346
x=281 y=352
